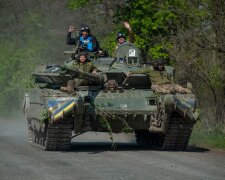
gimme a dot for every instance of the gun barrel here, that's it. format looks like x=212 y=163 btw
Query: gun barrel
x=95 y=78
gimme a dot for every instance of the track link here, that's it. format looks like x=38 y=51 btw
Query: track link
x=146 y=139
x=178 y=133
x=50 y=137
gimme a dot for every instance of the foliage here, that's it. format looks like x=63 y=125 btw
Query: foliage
x=74 y=4
x=148 y=22
x=45 y=116
x=127 y=129
x=213 y=139
x=17 y=63
x=109 y=42
x=155 y=22
x=13 y=73
x=104 y=120
x=105 y=124
x=24 y=44
x=33 y=18
x=215 y=77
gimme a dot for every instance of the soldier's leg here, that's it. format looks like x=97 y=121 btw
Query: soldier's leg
x=163 y=88
x=79 y=82
x=182 y=90
x=70 y=86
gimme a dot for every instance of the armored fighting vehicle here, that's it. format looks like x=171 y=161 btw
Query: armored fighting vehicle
x=113 y=102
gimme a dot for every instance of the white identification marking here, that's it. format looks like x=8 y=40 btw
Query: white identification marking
x=132 y=52
x=123 y=106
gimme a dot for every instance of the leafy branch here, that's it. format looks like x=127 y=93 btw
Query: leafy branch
x=105 y=124
x=45 y=116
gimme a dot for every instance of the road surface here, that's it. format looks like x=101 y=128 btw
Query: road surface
x=92 y=158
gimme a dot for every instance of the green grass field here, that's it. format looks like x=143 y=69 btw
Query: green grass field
x=212 y=140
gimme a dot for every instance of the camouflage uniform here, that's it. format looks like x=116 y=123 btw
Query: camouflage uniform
x=88 y=66
x=160 y=81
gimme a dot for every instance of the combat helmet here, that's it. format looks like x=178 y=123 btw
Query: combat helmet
x=86 y=29
x=120 y=35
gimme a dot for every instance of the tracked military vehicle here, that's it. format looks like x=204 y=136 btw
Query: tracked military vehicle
x=113 y=102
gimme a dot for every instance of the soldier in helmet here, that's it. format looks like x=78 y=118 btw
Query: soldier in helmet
x=83 y=65
x=160 y=80
x=121 y=38
x=86 y=39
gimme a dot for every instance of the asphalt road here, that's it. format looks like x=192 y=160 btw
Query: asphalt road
x=92 y=158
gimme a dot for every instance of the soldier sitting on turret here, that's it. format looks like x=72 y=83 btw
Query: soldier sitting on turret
x=83 y=65
x=159 y=79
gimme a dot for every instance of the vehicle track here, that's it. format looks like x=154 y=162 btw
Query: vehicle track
x=176 y=138
x=178 y=134
x=50 y=137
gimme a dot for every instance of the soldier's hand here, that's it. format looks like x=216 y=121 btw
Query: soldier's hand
x=94 y=72
x=127 y=25
x=128 y=74
x=63 y=72
x=71 y=29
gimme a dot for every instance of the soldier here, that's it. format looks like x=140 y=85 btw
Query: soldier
x=121 y=38
x=159 y=79
x=86 y=39
x=83 y=65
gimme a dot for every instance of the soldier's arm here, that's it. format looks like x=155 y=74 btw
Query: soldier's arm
x=93 y=69
x=131 y=36
x=70 y=40
x=130 y=33
x=95 y=44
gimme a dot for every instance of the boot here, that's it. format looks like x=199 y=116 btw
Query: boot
x=64 y=89
x=70 y=89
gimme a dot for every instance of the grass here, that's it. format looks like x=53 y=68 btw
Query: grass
x=212 y=140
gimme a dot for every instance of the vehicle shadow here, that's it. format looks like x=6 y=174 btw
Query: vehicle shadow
x=98 y=147
x=194 y=148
